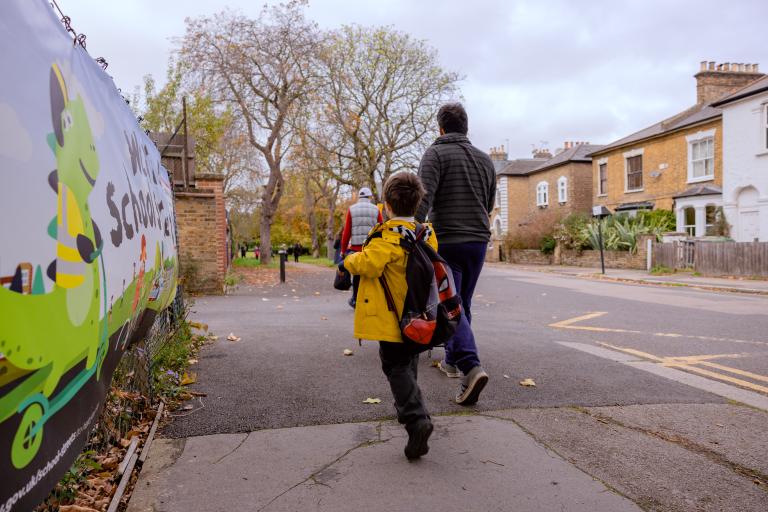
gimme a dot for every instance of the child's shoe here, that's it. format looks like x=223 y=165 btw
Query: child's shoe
x=418 y=435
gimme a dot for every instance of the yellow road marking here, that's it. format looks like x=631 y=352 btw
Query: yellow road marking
x=569 y=324
x=688 y=362
x=644 y=355
x=706 y=357
x=736 y=371
x=720 y=376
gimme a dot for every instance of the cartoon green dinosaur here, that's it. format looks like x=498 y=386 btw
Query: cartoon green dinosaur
x=57 y=329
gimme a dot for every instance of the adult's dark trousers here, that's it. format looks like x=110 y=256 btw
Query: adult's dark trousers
x=399 y=362
x=466 y=261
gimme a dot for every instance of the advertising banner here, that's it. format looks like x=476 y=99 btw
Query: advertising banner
x=87 y=246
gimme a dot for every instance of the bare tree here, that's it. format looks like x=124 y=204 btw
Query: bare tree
x=380 y=95
x=259 y=68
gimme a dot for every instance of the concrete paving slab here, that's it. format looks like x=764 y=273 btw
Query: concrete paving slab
x=656 y=473
x=475 y=463
x=732 y=432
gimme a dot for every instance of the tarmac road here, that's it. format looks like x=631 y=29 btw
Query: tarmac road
x=646 y=398
x=288 y=369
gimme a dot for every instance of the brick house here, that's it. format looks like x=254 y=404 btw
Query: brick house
x=675 y=164
x=530 y=189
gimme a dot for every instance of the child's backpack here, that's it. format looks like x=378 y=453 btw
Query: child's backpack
x=432 y=306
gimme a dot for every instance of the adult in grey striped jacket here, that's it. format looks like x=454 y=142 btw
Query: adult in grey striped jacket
x=461 y=187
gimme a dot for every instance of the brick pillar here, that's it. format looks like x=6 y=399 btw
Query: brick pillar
x=215 y=184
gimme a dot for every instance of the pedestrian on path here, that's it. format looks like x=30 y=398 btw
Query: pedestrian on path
x=460 y=183
x=361 y=218
x=297 y=248
x=383 y=256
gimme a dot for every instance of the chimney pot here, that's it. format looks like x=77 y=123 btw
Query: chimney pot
x=754 y=68
x=711 y=65
x=726 y=66
x=703 y=65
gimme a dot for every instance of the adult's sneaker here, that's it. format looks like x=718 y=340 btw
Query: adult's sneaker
x=448 y=369
x=471 y=386
x=418 y=435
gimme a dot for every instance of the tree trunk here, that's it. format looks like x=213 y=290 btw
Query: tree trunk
x=330 y=227
x=265 y=240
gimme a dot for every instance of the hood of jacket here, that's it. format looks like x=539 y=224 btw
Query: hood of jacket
x=452 y=138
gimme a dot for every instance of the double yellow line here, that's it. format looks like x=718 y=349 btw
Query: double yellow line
x=692 y=364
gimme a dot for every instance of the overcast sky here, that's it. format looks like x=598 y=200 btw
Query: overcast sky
x=537 y=71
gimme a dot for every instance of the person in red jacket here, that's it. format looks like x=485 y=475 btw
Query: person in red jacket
x=361 y=218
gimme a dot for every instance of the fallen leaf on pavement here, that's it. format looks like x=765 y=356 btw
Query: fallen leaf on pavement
x=187 y=407
x=199 y=325
x=265 y=299
x=192 y=361
x=213 y=337
x=232 y=337
x=317 y=293
x=323 y=318
x=372 y=400
x=435 y=363
x=76 y=508
x=347 y=352
x=188 y=379
x=528 y=383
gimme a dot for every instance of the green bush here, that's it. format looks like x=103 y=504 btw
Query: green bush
x=548 y=244
x=620 y=232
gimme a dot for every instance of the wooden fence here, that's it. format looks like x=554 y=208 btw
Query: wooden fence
x=675 y=255
x=714 y=258
x=732 y=258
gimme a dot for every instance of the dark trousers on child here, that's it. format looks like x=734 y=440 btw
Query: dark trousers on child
x=400 y=364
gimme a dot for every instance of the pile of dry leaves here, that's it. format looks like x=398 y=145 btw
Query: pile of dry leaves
x=124 y=426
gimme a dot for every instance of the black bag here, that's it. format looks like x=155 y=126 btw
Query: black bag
x=432 y=307
x=342 y=281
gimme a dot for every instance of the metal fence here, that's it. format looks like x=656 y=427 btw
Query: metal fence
x=135 y=370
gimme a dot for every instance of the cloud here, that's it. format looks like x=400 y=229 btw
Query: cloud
x=15 y=142
x=535 y=70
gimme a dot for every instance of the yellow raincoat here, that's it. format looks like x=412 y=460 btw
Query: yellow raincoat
x=373 y=319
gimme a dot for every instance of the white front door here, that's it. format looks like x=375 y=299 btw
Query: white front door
x=749 y=226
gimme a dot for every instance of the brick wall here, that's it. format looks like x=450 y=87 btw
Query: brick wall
x=528 y=257
x=591 y=259
x=579 y=196
x=517 y=201
x=613 y=259
x=670 y=150
x=201 y=221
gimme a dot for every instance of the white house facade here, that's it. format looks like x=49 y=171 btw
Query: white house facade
x=745 y=162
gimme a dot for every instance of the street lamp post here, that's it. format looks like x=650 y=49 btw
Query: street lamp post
x=600 y=212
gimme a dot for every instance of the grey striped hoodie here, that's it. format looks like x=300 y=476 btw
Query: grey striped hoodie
x=461 y=188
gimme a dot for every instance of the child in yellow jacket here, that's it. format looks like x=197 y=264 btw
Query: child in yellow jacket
x=375 y=321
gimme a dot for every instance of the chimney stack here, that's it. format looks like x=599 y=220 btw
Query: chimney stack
x=714 y=81
x=498 y=154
